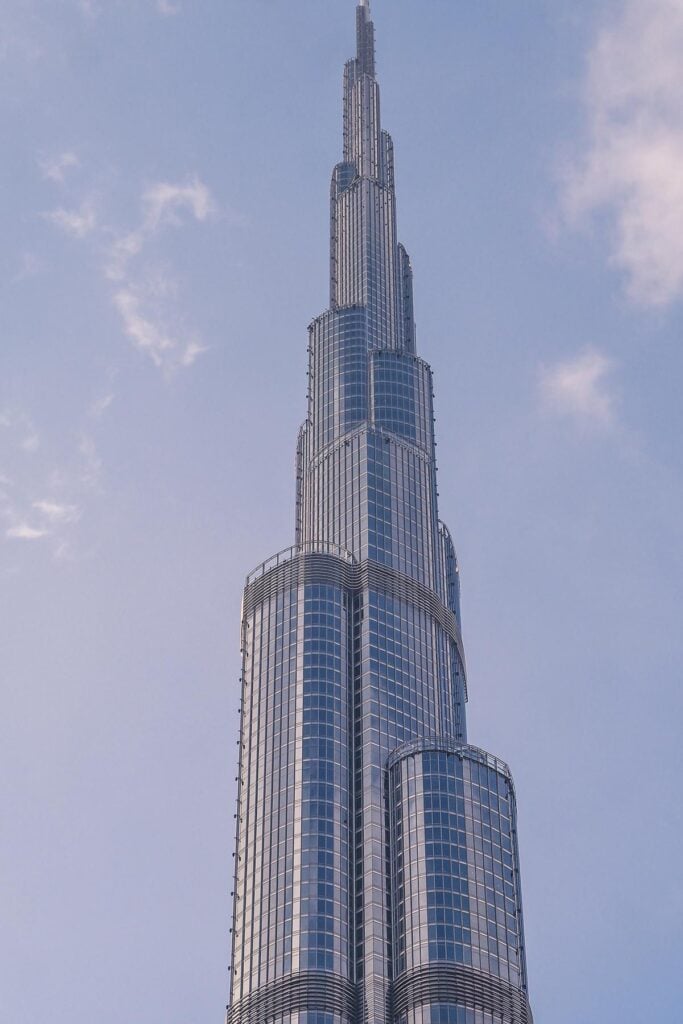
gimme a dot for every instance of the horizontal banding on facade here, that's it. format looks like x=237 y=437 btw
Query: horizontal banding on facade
x=311 y=567
x=321 y=993
x=449 y=746
x=457 y=984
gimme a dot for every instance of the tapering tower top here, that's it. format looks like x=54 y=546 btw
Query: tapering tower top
x=365 y=36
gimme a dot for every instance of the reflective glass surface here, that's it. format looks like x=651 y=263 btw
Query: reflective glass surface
x=376 y=862
x=455 y=866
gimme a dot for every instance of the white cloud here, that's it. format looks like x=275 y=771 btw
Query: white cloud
x=145 y=334
x=122 y=251
x=79 y=223
x=632 y=166
x=100 y=405
x=55 y=168
x=163 y=201
x=143 y=306
x=30 y=265
x=191 y=353
x=24 y=434
x=90 y=8
x=25 y=532
x=31 y=443
x=54 y=512
x=23 y=41
x=578 y=389
x=146 y=329
x=44 y=492
x=91 y=471
x=63 y=551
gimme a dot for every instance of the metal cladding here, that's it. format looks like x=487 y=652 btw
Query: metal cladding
x=376 y=863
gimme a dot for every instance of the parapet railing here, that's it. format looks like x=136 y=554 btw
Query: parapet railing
x=287 y=554
x=451 y=746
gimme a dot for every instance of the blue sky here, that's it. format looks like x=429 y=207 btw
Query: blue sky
x=163 y=198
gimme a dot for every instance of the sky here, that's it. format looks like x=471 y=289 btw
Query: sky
x=164 y=210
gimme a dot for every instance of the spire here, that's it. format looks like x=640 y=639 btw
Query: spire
x=365 y=37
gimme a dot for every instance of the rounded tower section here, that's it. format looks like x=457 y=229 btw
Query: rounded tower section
x=457 y=932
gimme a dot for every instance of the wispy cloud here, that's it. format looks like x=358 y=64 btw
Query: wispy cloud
x=55 y=512
x=168 y=8
x=29 y=266
x=90 y=8
x=144 y=333
x=91 y=463
x=140 y=297
x=162 y=205
x=44 y=495
x=78 y=223
x=23 y=44
x=579 y=389
x=142 y=302
x=100 y=405
x=30 y=443
x=25 y=532
x=163 y=201
x=631 y=166
x=23 y=433
x=149 y=334
x=93 y=8
x=47 y=517
x=55 y=168
x=122 y=250
x=191 y=352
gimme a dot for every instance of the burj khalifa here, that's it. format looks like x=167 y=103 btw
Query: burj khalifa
x=376 y=863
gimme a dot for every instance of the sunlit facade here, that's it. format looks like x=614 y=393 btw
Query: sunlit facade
x=376 y=864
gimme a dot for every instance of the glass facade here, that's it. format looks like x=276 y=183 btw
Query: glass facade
x=455 y=892
x=376 y=865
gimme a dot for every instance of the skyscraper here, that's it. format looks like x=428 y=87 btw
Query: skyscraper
x=377 y=875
